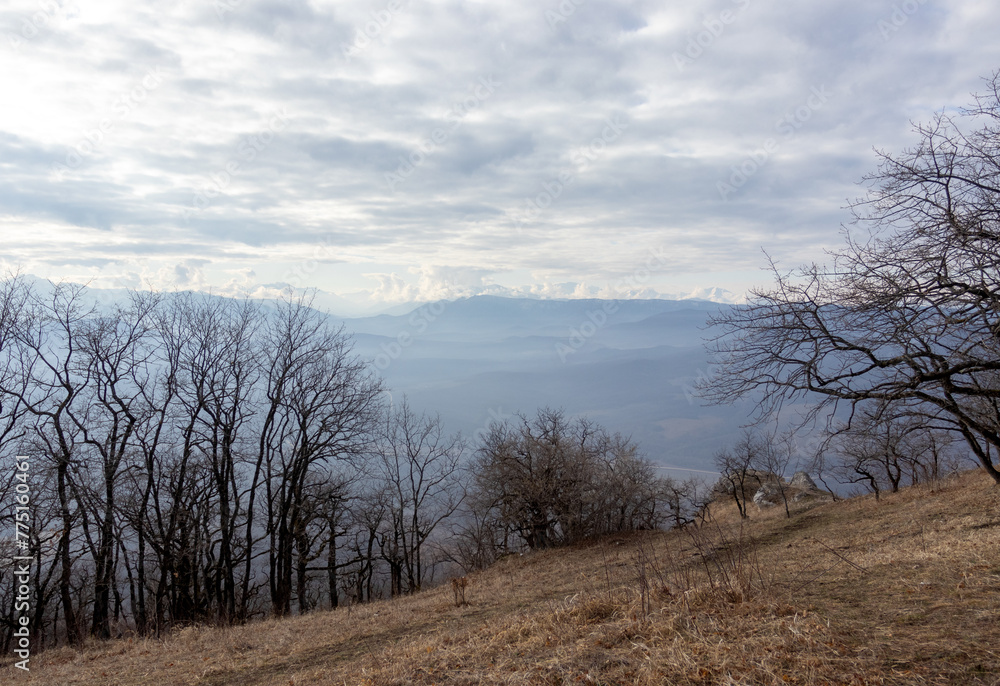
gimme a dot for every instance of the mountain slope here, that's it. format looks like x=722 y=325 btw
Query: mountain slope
x=902 y=591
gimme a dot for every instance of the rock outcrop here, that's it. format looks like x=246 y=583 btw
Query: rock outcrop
x=768 y=495
x=803 y=480
x=765 y=489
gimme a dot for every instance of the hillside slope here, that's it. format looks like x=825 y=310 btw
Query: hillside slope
x=902 y=591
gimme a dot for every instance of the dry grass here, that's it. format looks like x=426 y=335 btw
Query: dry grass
x=905 y=591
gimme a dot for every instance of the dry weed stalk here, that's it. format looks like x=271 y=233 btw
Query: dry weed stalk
x=731 y=560
x=458 y=589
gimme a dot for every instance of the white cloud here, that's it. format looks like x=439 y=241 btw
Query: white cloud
x=163 y=119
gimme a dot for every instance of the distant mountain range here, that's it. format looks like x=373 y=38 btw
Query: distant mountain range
x=628 y=364
x=362 y=304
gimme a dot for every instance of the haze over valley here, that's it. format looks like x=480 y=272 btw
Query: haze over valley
x=629 y=364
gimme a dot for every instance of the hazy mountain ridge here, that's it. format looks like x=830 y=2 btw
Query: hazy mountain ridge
x=629 y=364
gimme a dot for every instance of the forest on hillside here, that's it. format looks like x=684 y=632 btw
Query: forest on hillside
x=181 y=458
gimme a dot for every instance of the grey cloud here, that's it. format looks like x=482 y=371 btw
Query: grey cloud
x=350 y=120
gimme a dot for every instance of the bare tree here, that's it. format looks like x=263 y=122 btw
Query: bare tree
x=15 y=294
x=776 y=459
x=886 y=447
x=328 y=409
x=738 y=471
x=334 y=508
x=47 y=338
x=526 y=469
x=112 y=361
x=187 y=445
x=629 y=490
x=683 y=500
x=419 y=464
x=908 y=313
x=17 y=311
x=368 y=543
x=552 y=481
x=478 y=537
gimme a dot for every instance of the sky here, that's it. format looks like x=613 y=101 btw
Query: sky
x=392 y=151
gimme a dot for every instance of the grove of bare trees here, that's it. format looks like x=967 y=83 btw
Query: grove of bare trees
x=196 y=459
x=177 y=448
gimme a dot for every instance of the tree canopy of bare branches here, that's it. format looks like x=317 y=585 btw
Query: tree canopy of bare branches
x=549 y=480
x=188 y=446
x=908 y=313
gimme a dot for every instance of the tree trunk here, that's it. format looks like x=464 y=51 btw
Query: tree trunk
x=101 y=624
x=65 y=577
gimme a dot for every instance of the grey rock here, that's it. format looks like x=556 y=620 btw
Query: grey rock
x=768 y=495
x=803 y=480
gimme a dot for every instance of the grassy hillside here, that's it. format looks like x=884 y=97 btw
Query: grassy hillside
x=902 y=591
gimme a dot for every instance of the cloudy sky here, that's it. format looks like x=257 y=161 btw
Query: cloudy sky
x=399 y=150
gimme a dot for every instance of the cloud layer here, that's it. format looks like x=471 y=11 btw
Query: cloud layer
x=412 y=150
